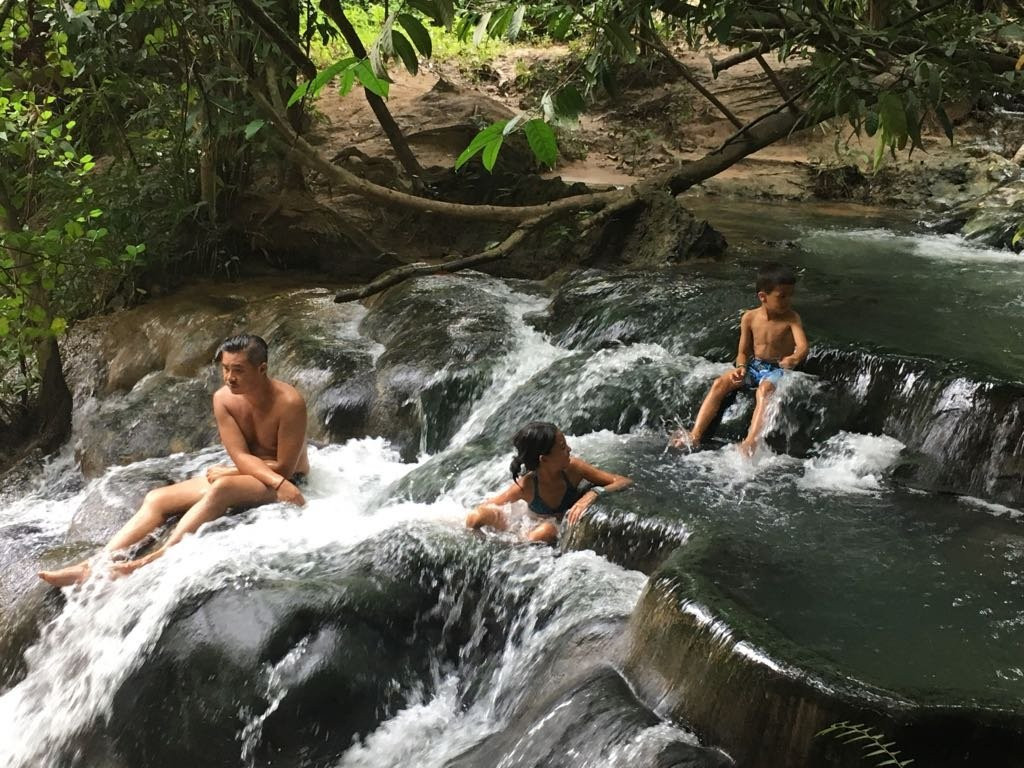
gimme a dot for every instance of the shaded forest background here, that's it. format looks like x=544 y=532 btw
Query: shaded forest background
x=135 y=134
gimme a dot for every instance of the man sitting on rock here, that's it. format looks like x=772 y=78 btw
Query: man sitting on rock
x=262 y=424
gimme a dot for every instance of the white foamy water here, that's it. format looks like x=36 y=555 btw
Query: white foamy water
x=568 y=593
x=107 y=627
x=851 y=463
x=947 y=248
x=529 y=352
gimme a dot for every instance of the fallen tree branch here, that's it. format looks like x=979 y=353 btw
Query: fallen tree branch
x=717 y=67
x=417 y=269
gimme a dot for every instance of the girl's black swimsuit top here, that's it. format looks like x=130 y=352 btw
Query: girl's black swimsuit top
x=570 y=497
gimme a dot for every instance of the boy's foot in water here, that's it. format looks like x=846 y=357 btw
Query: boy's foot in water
x=682 y=438
x=747 y=448
x=66 y=577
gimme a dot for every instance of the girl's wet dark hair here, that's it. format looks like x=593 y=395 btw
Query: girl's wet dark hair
x=531 y=442
x=255 y=348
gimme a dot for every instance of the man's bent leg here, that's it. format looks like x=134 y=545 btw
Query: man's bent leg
x=227 y=492
x=764 y=393
x=159 y=504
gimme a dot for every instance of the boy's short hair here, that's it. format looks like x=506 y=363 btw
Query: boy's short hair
x=255 y=348
x=772 y=275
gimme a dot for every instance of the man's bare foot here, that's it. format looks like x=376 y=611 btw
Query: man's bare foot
x=747 y=448
x=682 y=438
x=65 y=577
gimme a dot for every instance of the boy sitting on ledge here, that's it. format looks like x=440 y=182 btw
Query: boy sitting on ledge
x=772 y=341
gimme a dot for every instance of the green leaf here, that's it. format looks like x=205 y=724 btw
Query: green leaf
x=490 y=156
x=348 y=78
x=481 y=28
x=417 y=33
x=298 y=93
x=622 y=40
x=569 y=103
x=253 y=128
x=403 y=48
x=324 y=77
x=542 y=141
x=481 y=140
x=892 y=116
x=516 y=22
x=369 y=80
x=58 y=325
x=5 y=327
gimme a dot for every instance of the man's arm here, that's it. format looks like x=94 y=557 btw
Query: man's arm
x=238 y=449
x=800 y=346
x=291 y=435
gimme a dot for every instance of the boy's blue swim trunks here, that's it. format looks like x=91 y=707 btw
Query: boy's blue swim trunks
x=759 y=370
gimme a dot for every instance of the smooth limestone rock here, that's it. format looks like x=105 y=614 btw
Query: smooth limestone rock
x=705 y=658
x=144 y=378
x=442 y=337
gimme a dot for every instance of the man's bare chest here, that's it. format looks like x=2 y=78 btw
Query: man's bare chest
x=259 y=430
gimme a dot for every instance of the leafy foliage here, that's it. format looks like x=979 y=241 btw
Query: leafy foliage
x=870 y=740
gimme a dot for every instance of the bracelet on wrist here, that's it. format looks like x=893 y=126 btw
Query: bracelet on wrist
x=280 y=483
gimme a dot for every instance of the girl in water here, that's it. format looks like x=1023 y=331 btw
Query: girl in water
x=550 y=486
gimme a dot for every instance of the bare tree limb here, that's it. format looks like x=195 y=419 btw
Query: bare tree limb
x=682 y=70
x=406 y=271
x=717 y=67
x=776 y=82
x=281 y=38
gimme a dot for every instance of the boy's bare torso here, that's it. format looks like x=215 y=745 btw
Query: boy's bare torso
x=771 y=337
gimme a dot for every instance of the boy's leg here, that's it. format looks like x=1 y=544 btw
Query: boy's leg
x=723 y=385
x=765 y=390
x=159 y=504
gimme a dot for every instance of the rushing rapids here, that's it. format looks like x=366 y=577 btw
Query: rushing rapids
x=722 y=610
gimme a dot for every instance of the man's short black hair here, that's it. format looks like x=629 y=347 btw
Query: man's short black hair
x=255 y=347
x=772 y=275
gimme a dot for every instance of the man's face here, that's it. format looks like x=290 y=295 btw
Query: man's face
x=778 y=300
x=239 y=374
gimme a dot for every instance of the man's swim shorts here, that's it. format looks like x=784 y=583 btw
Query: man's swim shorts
x=759 y=370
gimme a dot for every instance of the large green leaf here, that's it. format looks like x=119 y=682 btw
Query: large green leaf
x=490 y=156
x=542 y=141
x=491 y=133
x=403 y=48
x=417 y=33
x=365 y=75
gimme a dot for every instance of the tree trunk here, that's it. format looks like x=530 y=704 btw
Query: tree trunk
x=55 y=402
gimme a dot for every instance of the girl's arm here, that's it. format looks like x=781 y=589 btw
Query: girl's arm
x=608 y=482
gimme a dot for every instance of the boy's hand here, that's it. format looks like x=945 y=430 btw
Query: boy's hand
x=788 y=362
x=738 y=374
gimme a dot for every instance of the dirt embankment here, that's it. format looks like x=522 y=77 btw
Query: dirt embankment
x=655 y=120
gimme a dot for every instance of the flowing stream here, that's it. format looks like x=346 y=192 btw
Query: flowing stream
x=370 y=628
